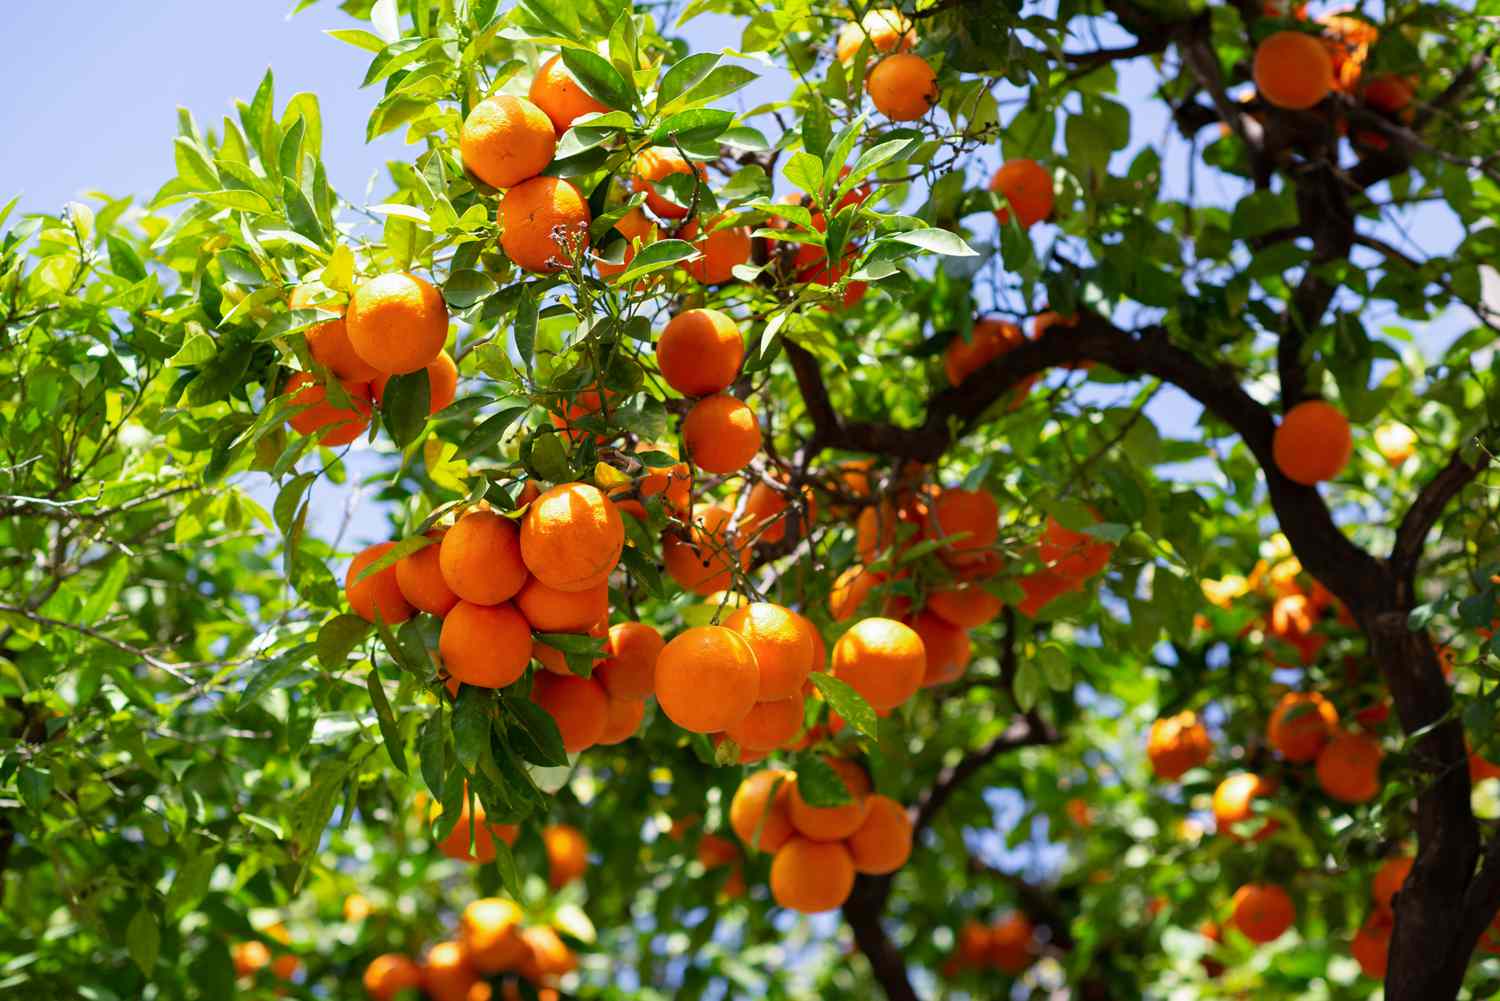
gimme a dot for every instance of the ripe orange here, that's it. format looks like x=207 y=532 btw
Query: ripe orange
x=715 y=852
x=768 y=725
x=1348 y=768
x=447 y=974
x=388 y=975
x=1010 y=943
x=490 y=930
x=1396 y=443
x=700 y=351
x=947 y=648
x=988 y=340
x=674 y=483
x=1389 y=879
x=721 y=250
x=1176 y=744
x=377 y=591
x=1371 y=945
x=578 y=706
x=903 y=87
x=964 y=605
x=1262 y=911
x=883 y=842
x=1300 y=725
x=654 y=164
x=810 y=262
x=420 y=579
x=1024 y=186
x=707 y=679
x=721 y=434
x=1041 y=589
x=249 y=957
x=487 y=646
x=637 y=231
x=442 y=383
x=973 y=944
x=506 y=140
x=571 y=537
x=622 y=720
x=970 y=513
x=1292 y=70
x=328 y=342
x=875 y=531
x=1388 y=93
x=552 y=611
x=1313 y=443
x=567 y=854
x=811 y=876
x=706 y=563
x=850 y=590
x=456 y=844
x=480 y=557
x=1076 y=555
x=832 y=823
x=629 y=668
x=559 y=95
x=887 y=29
x=544 y=224
x=766 y=506
x=782 y=644
x=547 y=955
x=762 y=804
x=554 y=659
x=1233 y=805
x=335 y=426
x=881 y=659
x=397 y=323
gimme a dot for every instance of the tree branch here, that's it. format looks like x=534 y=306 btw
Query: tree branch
x=1411 y=534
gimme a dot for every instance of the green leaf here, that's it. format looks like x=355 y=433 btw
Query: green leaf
x=432 y=751
x=847 y=703
x=655 y=257
x=289 y=498
x=534 y=734
x=684 y=74
x=818 y=784
x=337 y=637
x=645 y=571
x=510 y=873
x=191 y=881
x=599 y=78
x=194 y=166
x=35 y=785
x=939 y=241
x=549 y=459
x=1056 y=668
x=471 y=724
x=357 y=37
x=805 y=171
x=693 y=125
x=489 y=432
x=467 y=288
x=1028 y=685
x=721 y=80
x=523 y=332
x=143 y=939
x=310 y=813
x=403 y=409
x=390 y=734
x=102 y=598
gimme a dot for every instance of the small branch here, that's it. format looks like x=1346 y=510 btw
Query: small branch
x=1411 y=534
x=105 y=638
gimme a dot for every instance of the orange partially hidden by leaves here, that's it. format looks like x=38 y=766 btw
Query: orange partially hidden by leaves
x=1388 y=93
x=832 y=823
x=1347 y=41
x=811 y=876
x=490 y=929
x=654 y=164
x=1389 y=879
x=988 y=340
x=965 y=605
x=378 y=591
x=1371 y=945
x=397 y=323
x=567 y=854
x=1348 y=768
x=887 y=29
x=1010 y=944
x=456 y=844
x=637 y=231
x=487 y=646
x=881 y=659
x=579 y=706
x=506 y=140
x=420 y=579
x=1076 y=555
x=783 y=646
x=1234 y=804
x=722 y=249
x=442 y=383
x=1042 y=589
x=390 y=974
x=1292 y=70
x=544 y=224
x=447 y=974
x=699 y=352
x=560 y=96
x=480 y=558
x=903 y=87
x=968 y=521
x=1024 y=187
x=760 y=810
x=882 y=843
x=1313 y=443
x=704 y=564
x=1300 y=725
x=1177 y=744
x=629 y=668
x=335 y=426
x=571 y=537
x=1262 y=911
x=707 y=679
x=721 y=433
x=329 y=342
x=850 y=590
x=768 y=506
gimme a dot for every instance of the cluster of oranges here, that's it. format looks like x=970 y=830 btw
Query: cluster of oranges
x=1005 y=945
x=252 y=956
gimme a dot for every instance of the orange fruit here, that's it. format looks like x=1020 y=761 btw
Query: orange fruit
x=506 y=140
x=378 y=591
x=811 y=876
x=903 y=87
x=765 y=510
x=1388 y=93
x=456 y=844
x=947 y=648
x=1396 y=443
x=547 y=955
x=887 y=29
x=768 y=725
x=622 y=720
x=447 y=974
x=700 y=351
x=654 y=164
x=397 y=323
x=389 y=974
x=1300 y=725
x=971 y=513
x=629 y=668
x=850 y=590
x=249 y=957
x=335 y=426
x=1347 y=40
x=420 y=579
x=328 y=342
x=1177 y=744
x=882 y=843
x=1233 y=805
x=715 y=852
x=782 y=644
x=964 y=605
x=544 y=224
x=1262 y=912
x=555 y=90
x=637 y=231
x=832 y=823
x=1010 y=944
x=972 y=947
x=810 y=262
x=1348 y=768
x=875 y=531
x=721 y=250
x=1371 y=945
x=674 y=483
x=1025 y=187
x=1313 y=443
x=706 y=563
x=571 y=537
x=578 y=706
x=480 y=558
x=567 y=854
x=1389 y=879
x=721 y=434
x=490 y=930
x=1041 y=589
x=442 y=383
x=988 y=340
x=1292 y=70
x=881 y=659
x=761 y=805
x=1076 y=555
x=552 y=611
x=707 y=679
x=357 y=907
x=487 y=646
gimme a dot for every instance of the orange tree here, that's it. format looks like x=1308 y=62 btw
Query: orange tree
x=848 y=469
